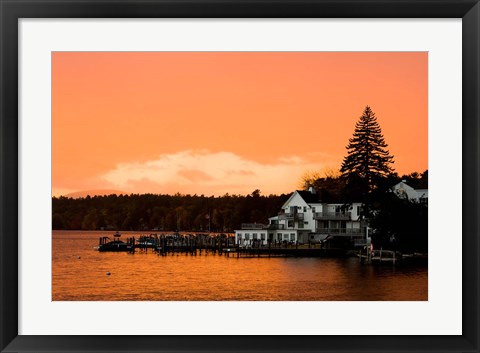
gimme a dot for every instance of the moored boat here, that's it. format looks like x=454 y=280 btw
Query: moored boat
x=105 y=244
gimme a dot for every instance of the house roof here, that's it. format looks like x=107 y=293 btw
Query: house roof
x=404 y=190
x=308 y=196
x=313 y=199
x=403 y=184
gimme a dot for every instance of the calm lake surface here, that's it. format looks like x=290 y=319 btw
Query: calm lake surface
x=79 y=273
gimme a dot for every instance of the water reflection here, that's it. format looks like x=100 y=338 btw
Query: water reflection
x=80 y=273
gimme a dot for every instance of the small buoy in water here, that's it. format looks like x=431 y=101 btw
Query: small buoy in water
x=108 y=273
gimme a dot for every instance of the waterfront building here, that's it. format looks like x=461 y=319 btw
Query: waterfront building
x=403 y=190
x=305 y=219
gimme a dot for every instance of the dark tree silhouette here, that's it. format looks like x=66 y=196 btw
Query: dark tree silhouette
x=400 y=224
x=164 y=212
x=368 y=159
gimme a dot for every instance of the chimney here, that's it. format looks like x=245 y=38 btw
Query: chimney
x=312 y=191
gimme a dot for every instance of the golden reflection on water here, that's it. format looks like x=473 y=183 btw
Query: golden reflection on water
x=79 y=272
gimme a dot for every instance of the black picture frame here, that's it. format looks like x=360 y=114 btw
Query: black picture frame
x=12 y=10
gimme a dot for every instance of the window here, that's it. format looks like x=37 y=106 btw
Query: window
x=263 y=236
x=359 y=210
x=279 y=236
x=313 y=209
x=292 y=236
x=300 y=224
x=290 y=224
x=304 y=208
x=285 y=237
x=247 y=236
x=254 y=235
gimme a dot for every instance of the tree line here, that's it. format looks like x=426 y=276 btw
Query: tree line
x=164 y=212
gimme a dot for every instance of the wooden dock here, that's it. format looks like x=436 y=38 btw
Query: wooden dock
x=378 y=256
x=391 y=257
x=222 y=244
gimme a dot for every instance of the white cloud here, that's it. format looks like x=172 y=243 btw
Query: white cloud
x=202 y=172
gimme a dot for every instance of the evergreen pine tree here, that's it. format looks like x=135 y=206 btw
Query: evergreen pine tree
x=368 y=160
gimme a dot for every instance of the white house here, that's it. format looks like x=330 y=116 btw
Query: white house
x=403 y=190
x=303 y=218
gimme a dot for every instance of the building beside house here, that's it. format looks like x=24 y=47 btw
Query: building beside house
x=405 y=191
x=305 y=219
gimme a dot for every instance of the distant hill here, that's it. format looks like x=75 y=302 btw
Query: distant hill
x=85 y=193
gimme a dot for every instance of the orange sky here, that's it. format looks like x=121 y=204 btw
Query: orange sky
x=211 y=123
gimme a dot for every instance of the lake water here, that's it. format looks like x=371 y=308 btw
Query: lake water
x=79 y=273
